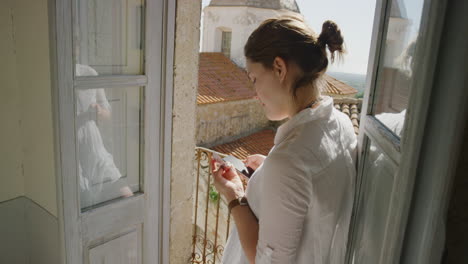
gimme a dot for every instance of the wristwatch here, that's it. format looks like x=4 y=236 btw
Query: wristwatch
x=239 y=201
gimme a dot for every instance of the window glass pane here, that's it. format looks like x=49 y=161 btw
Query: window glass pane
x=108 y=36
x=108 y=136
x=226 y=43
x=374 y=202
x=396 y=77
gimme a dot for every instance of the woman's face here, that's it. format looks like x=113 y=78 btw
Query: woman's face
x=271 y=90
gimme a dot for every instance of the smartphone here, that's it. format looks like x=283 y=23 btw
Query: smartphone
x=219 y=162
x=237 y=163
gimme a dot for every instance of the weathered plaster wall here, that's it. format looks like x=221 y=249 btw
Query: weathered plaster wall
x=187 y=37
x=240 y=20
x=223 y=122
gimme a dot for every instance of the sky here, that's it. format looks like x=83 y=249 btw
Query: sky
x=354 y=17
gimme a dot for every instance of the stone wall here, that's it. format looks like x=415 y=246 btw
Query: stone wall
x=224 y=122
x=187 y=37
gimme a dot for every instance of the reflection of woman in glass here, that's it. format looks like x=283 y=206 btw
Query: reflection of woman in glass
x=405 y=63
x=96 y=164
x=405 y=60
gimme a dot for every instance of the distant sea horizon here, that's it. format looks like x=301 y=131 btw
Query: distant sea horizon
x=355 y=80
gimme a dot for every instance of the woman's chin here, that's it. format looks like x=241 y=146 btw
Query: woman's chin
x=274 y=117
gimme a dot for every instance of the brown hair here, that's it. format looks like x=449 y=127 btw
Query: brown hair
x=291 y=39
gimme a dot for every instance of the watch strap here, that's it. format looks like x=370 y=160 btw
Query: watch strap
x=240 y=201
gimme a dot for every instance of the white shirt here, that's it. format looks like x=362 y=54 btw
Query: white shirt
x=303 y=192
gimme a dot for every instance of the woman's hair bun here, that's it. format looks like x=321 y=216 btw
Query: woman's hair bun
x=332 y=38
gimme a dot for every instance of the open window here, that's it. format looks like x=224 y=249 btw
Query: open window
x=394 y=112
x=111 y=71
x=226 y=43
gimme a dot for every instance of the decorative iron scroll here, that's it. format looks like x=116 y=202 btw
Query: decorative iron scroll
x=211 y=252
x=212 y=220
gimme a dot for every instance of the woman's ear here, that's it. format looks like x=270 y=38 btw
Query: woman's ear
x=280 y=68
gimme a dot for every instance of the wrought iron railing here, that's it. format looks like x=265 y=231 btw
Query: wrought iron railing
x=211 y=216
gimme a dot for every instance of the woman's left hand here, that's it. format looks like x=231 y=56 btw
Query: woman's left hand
x=102 y=112
x=228 y=182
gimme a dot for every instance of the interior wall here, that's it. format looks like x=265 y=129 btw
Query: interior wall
x=29 y=234
x=28 y=206
x=41 y=234
x=11 y=175
x=13 y=240
x=30 y=18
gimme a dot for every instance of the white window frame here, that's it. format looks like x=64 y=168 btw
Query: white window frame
x=407 y=151
x=157 y=152
x=442 y=142
x=218 y=38
x=223 y=41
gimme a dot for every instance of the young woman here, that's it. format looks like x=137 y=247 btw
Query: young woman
x=297 y=205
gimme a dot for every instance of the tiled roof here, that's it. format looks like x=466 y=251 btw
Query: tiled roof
x=256 y=143
x=352 y=108
x=220 y=80
x=261 y=142
x=333 y=86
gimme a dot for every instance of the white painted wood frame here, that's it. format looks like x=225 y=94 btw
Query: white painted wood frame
x=442 y=140
x=77 y=227
x=404 y=153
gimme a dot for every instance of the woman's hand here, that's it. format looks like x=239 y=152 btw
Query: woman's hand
x=126 y=192
x=228 y=182
x=254 y=161
x=102 y=113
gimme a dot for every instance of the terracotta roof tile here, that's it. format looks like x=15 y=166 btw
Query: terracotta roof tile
x=261 y=142
x=256 y=143
x=334 y=86
x=352 y=108
x=220 y=80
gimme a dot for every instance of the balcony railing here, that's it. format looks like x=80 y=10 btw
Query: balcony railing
x=211 y=216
